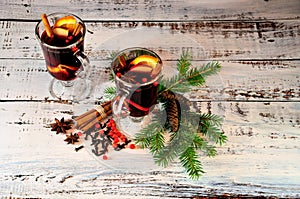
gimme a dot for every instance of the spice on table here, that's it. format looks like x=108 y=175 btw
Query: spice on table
x=104 y=157
x=88 y=120
x=72 y=138
x=61 y=126
x=78 y=148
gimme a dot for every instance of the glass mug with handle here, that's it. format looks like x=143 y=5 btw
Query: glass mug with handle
x=61 y=36
x=137 y=72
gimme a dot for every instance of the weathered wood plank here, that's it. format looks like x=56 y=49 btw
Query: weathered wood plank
x=206 y=40
x=260 y=158
x=257 y=93
x=154 y=9
x=24 y=79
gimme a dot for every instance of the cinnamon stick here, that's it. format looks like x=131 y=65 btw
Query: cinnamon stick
x=77 y=29
x=47 y=26
x=81 y=119
x=92 y=123
x=91 y=117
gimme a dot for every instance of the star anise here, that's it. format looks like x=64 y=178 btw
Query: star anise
x=72 y=138
x=61 y=126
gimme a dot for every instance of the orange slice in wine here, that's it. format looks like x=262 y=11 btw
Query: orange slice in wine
x=141 y=67
x=64 y=20
x=70 y=26
x=62 y=66
x=150 y=60
x=58 y=69
x=61 y=33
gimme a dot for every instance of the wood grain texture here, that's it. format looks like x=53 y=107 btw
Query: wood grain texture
x=155 y=9
x=206 y=40
x=257 y=93
x=260 y=157
x=237 y=81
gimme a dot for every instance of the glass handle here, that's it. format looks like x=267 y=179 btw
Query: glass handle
x=118 y=104
x=85 y=64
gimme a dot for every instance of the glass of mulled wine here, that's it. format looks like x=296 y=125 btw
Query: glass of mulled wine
x=137 y=72
x=61 y=36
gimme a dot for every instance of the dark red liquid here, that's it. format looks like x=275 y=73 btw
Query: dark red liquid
x=61 y=63
x=141 y=99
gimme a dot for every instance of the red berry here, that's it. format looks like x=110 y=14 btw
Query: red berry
x=144 y=79
x=119 y=75
x=110 y=133
x=118 y=133
x=132 y=146
x=115 y=136
x=101 y=132
x=155 y=84
x=115 y=145
x=104 y=157
x=97 y=126
x=79 y=133
x=74 y=49
x=123 y=139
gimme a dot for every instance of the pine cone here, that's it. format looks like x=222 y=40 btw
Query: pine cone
x=169 y=95
x=173 y=114
x=174 y=103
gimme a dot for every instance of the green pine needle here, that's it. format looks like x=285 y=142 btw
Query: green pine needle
x=145 y=138
x=209 y=125
x=180 y=141
x=184 y=63
x=157 y=142
x=202 y=145
x=182 y=82
x=189 y=161
x=110 y=93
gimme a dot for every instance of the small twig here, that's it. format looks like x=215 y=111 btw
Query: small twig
x=78 y=148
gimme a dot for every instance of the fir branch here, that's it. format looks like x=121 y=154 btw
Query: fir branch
x=209 y=125
x=147 y=134
x=176 y=84
x=111 y=77
x=211 y=68
x=179 y=142
x=202 y=145
x=157 y=142
x=193 y=77
x=211 y=118
x=184 y=63
x=189 y=161
x=110 y=93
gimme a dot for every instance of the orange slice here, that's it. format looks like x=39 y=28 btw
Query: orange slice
x=70 y=26
x=64 y=20
x=57 y=69
x=142 y=67
x=61 y=33
x=150 y=60
x=62 y=66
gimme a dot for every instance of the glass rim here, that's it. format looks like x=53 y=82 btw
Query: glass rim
x=132 y=49
x=60 y=47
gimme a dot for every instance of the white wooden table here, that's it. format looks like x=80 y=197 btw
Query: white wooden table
x=257 y=92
